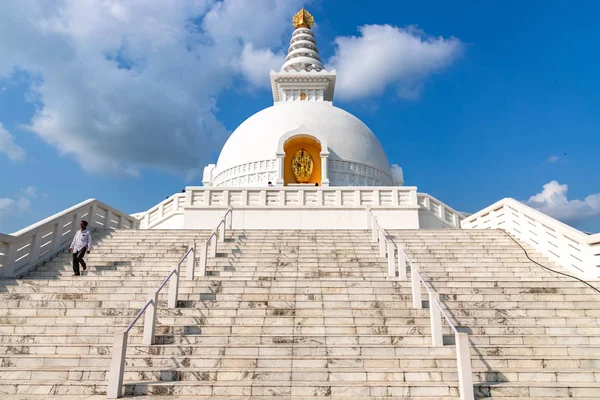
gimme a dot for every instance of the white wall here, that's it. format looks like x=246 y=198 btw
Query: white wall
x=301 y=218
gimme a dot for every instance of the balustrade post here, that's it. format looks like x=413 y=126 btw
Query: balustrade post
x=57 y=236
x=8 y=269
x=203 y=257
x=435 y=317
x=229 y=218
x=191 y=264
x=373 y=228
x=463 y=361
x=92 y=217
x=382 y=241
x=117 y=366
x=222 y=231
x=416 y=287
x=369 y=219
x=401 y=265
x=174 y=288
x=391 y=259
x=36 y=242
x=213 y=244
x=150 y=321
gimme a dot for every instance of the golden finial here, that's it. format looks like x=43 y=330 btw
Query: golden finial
x=303 y=19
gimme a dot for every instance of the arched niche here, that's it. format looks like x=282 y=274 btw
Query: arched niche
x=294 y=141
x=291 y=148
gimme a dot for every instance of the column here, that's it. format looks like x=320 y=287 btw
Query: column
x=324 y=168
x=280 y=169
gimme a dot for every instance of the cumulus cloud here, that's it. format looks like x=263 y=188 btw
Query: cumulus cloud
x=124 y=85
x=385 y=55
x=553 y=159
x=17 y=205
x=9 y=147
x=552 y=200
x=254 y=63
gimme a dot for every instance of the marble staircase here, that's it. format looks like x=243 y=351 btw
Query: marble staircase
x=299 y=314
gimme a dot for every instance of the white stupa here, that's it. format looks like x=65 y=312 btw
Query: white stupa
x=344 y=151
x=304 y=164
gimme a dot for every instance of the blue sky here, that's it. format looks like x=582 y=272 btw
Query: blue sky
x=127 y=105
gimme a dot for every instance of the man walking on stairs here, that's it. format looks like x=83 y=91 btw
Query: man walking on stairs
x=82 y=243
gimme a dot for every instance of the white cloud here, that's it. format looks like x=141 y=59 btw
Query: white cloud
x=552 y=200
x=255 y=64
x=30 y=191
x=124 y=85
x=9 y=147
x=385 y=55
x=17 y=205
x=553 y=159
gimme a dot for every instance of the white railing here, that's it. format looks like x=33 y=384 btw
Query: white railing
x=446 y=214
x=217 y=235
x=304 y=196
x=567 y=246
x=27 y=248
x=162 y=211
x=463 y=352
x=119 y=351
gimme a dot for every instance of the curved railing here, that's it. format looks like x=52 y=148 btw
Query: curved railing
x=463 y=353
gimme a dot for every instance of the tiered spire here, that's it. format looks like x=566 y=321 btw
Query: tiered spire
x=303 y=54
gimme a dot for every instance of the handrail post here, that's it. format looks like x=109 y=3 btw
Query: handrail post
x=150 y=321
x=117 y=366
x=373 y=228
x=222 y=231
x=435 y=317
x=174 y=288
x=382 y=241
x=401 y=265
x=391 y=259
x=191 y=258
x=229 y=218
x=203 y=257
x=416 y=287
x=463 y=361
x=213 y=244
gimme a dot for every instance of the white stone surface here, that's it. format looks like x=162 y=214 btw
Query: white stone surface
x=256 y=141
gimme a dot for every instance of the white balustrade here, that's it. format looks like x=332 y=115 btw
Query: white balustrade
x=567 y=246
x=29 y=247
x=441 y=211
x=162 y=212
x=312 y=197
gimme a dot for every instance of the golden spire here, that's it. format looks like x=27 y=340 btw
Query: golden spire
x=303 y=19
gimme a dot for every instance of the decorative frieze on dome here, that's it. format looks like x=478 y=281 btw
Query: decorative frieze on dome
x=348 y=173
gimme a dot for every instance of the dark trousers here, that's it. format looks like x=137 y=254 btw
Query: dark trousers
x=78 y=259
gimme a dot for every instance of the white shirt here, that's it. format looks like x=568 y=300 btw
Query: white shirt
x=81 y=239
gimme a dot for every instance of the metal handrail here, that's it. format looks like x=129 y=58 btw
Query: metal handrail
x=222 y=221
x=162 y=285
x=444 y=314
x=429 y=291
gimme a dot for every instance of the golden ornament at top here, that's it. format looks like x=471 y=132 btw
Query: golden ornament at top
x=303 y=19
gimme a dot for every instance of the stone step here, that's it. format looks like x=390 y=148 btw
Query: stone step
x=358 y=338
x=301 y=374
x=309 y=349
x=342 y=388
